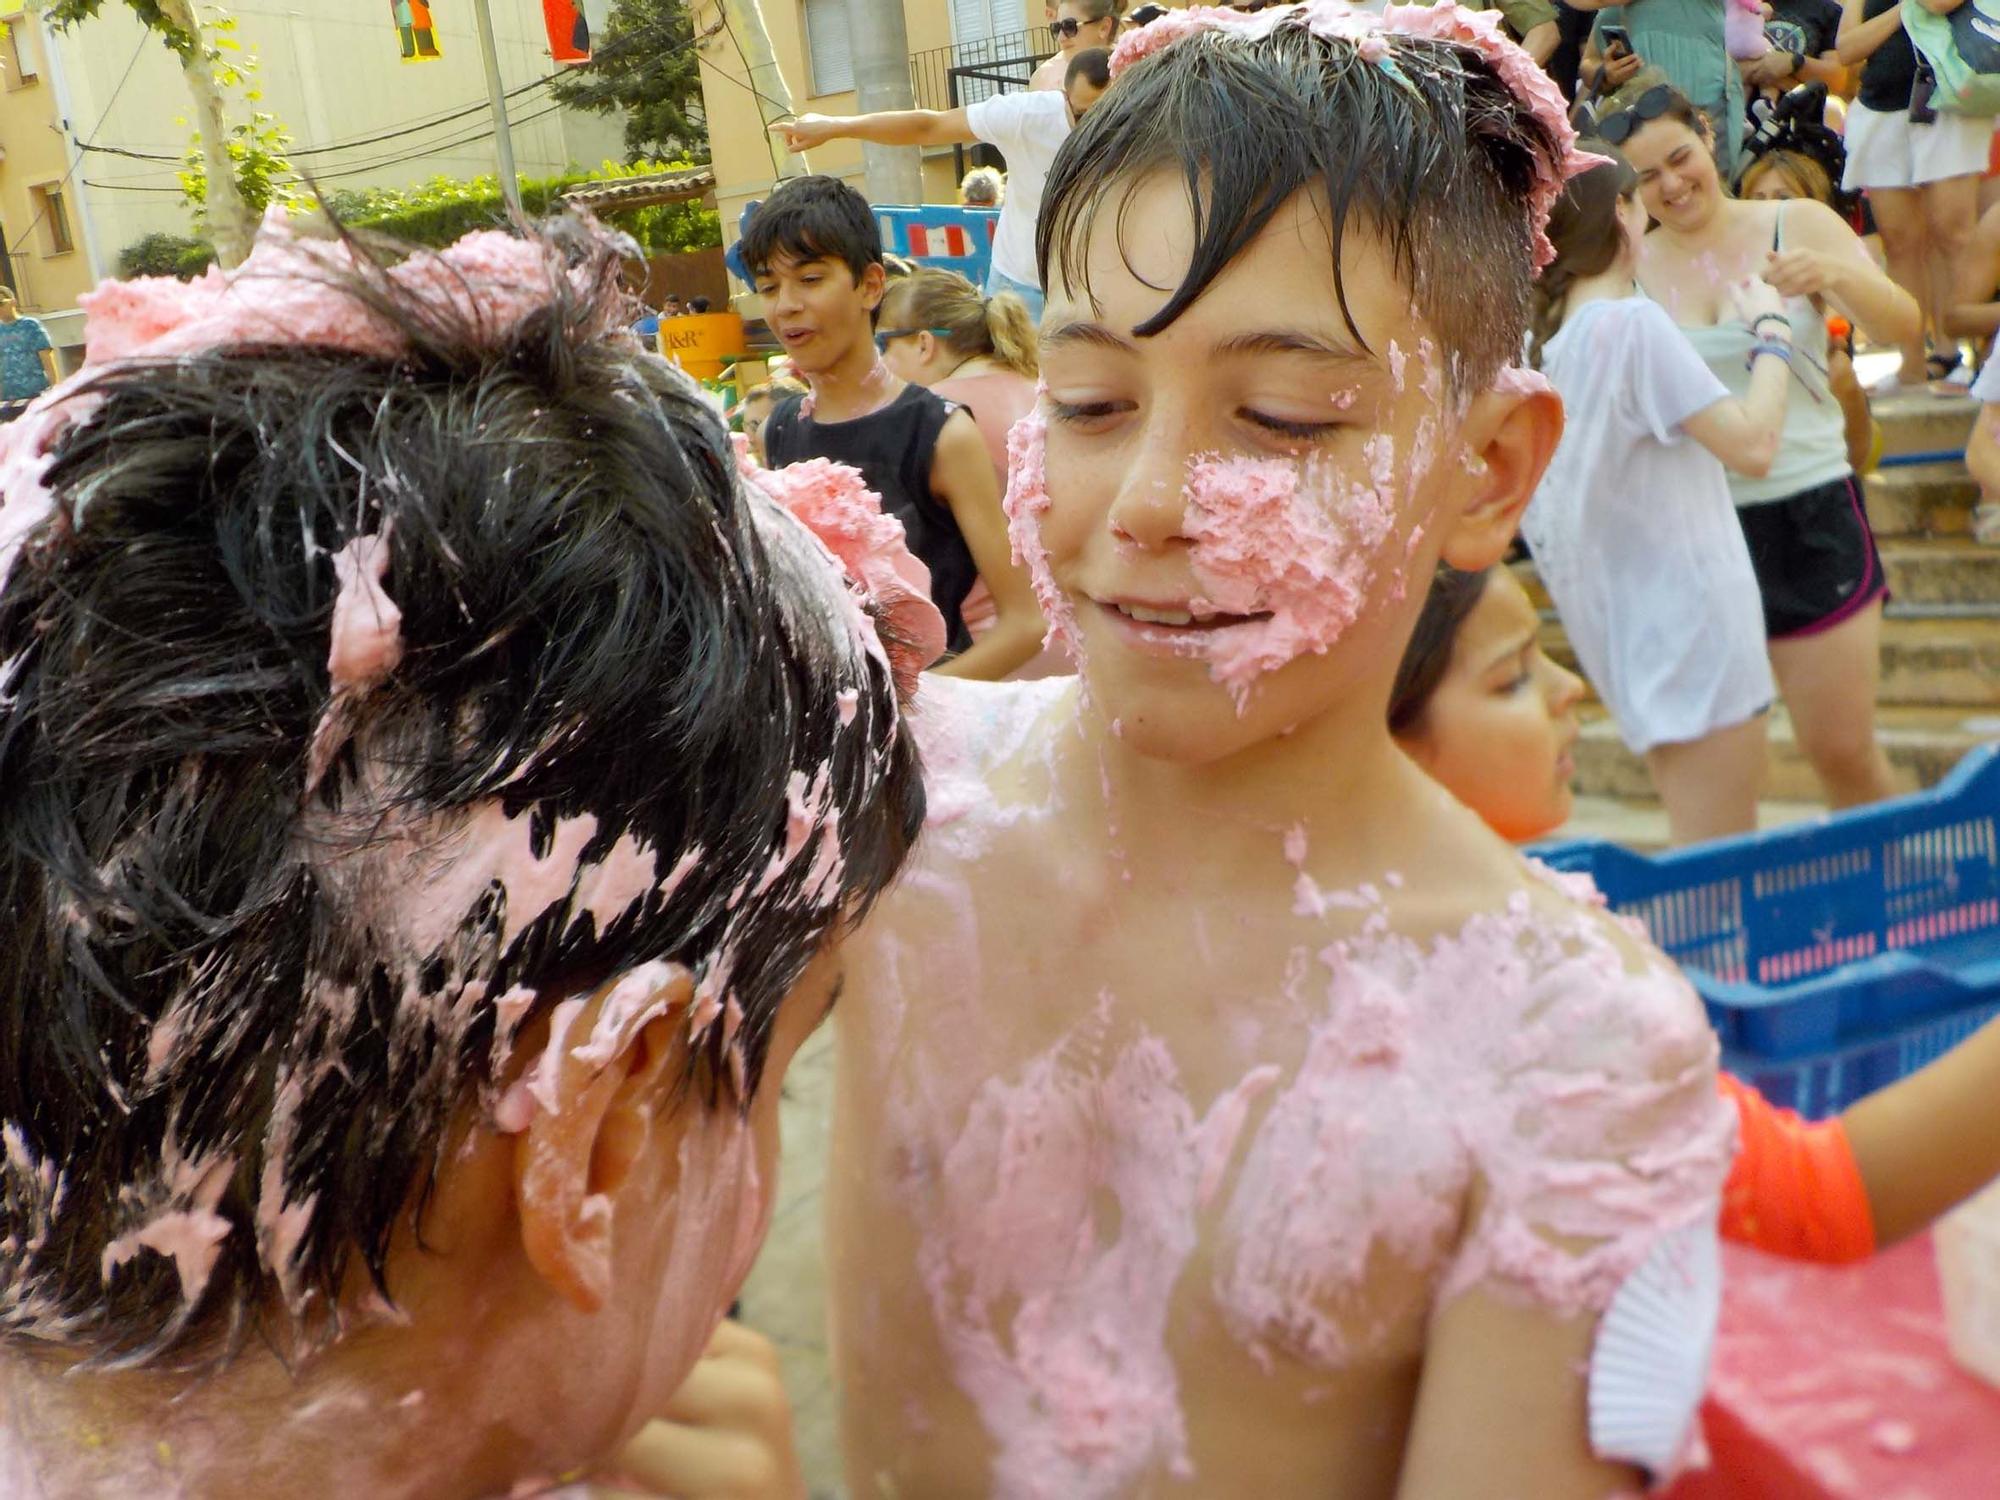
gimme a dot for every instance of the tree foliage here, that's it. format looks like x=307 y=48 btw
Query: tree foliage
x=439 y=211
x=645 y=68
x=63 y=14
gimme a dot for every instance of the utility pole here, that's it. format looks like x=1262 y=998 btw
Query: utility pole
x=743 y=21
x=880 y=46
x=503 y=139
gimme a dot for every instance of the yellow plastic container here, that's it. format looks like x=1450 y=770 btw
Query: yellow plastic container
x=703 y=343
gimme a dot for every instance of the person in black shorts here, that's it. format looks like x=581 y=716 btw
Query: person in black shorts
x=815 y=254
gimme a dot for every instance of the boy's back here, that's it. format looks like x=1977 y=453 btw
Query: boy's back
x=1158 y=1148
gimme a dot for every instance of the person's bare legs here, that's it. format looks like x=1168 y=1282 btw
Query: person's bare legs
x=1710 y=786
x=1951 y=210
x=1829 y=682
x=1899 y=217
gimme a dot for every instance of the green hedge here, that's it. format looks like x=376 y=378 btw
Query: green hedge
x=166 y=255
x=441 y=210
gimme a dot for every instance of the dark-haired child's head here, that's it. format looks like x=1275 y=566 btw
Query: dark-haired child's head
x=1480 y=707
x=815 y=256
x=1087 y=76
x=433 y=784
x=1288 y=261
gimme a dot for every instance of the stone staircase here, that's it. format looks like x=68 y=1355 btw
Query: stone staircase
x=1940 y=691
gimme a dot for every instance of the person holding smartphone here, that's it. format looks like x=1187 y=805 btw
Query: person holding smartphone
x=1683 y=40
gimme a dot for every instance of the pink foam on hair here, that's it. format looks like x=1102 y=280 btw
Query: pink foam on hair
x=367 y=632
x=836 y=506
x=1478 y=31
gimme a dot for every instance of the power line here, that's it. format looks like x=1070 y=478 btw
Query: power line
x=110 y=104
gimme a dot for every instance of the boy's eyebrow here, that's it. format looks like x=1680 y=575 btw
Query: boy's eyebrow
x=1291 y=341
x=1514 y=646
x=1260 y=341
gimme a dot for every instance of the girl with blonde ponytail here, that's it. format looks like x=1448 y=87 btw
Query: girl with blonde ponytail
x=938 y=330
x=1632 y=528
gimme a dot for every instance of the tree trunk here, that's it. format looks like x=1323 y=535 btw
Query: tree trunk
x=230 y=222
x=743 y=22
x=881 y=53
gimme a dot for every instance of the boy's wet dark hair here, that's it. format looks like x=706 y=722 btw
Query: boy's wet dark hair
x=1092 y=65
x=813 y=218
x=209 y=1000
x=1424 y=146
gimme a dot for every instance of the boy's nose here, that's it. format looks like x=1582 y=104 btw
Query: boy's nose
x=1151 y=508
x=1565 y=689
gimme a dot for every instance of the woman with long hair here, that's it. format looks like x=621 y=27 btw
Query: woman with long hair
x=1632 y=527
x=1817 y=566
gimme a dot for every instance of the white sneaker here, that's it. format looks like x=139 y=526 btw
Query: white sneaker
x=1986 y=523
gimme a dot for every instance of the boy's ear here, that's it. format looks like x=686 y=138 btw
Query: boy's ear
x=874 y=285
x=595 y=1117
x=1509 y=439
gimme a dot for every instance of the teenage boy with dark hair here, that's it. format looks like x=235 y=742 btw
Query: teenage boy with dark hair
x=815 y=255
x=1221 y=1109
x=1027 y=128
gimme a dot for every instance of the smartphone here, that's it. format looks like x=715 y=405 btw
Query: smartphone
x=1922 y=111
x=1616 y=39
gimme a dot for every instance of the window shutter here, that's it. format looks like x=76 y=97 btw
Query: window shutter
x=827 y=40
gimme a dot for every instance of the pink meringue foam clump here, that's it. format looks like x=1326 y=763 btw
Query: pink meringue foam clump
x=836 y=505
x=1026 y=502
x=1263 y=546
x=366 y=635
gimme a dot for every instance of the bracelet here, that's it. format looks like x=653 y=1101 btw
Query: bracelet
x=1758 y=322
x=1782 y=351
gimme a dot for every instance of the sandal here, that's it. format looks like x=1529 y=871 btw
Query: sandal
x=1939 y=364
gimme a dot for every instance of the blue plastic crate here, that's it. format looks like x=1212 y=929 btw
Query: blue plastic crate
x=1809 y=941
x=936 y=234
x=1826 y=1083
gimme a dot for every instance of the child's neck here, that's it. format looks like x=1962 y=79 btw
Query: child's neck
x=853 y=386
x=1339 y=777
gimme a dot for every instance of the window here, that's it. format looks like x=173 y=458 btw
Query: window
x=827 y=44
x=52 y=214
x=17 y=53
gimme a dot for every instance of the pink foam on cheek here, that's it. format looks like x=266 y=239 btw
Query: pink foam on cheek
x=1027 y=503
x=1270 y=537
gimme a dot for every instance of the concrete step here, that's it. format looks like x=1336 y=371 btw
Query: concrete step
x=1933 y=499
x=1922 y=743
x=1942 y=663
x=1921 y=422
x=1942 y=571
x=1641 y=823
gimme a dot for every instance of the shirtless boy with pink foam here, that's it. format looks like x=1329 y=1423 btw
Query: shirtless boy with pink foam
x=1223 y=1110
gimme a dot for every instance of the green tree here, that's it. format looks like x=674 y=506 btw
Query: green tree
x=205 y=68
x=645 y=68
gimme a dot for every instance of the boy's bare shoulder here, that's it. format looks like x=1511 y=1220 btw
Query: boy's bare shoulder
x=987 y=747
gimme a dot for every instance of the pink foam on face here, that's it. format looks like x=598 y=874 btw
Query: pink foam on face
x=367 y=630
x=1026 y=503
x=1268 y=538
x=1370 y=34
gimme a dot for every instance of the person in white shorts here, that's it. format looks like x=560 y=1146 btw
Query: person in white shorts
x=1921 y=174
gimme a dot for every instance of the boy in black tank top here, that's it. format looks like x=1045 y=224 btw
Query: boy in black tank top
x=816 y=255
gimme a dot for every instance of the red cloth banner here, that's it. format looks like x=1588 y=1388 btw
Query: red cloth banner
x=569 y=31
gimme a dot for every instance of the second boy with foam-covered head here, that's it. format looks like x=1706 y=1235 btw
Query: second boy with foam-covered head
x=1223 y=1110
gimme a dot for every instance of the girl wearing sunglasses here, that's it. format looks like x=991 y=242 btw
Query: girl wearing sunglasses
x=1817 y=567
x=1075 y=25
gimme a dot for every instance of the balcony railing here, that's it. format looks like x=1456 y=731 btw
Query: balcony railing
x=966 y=72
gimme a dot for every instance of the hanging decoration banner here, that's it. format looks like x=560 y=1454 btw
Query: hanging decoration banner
x=416 y=31
x=569 y=31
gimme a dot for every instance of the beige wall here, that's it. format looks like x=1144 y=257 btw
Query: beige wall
x=744 y=163
x=329 y=69
x=46 y=278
